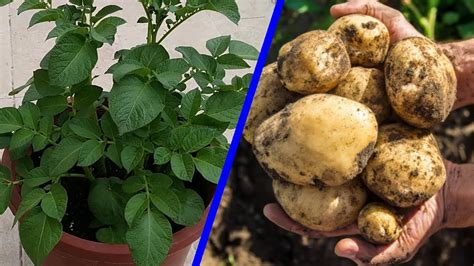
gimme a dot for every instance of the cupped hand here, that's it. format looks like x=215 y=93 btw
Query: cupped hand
x=418 y=224
x=393 y=19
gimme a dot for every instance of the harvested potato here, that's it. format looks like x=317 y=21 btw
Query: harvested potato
x=367 y=86
x=319 y=138
x=366 y=39
x=321 y=208
x=421 y=82
x=379 y=224
x=270 y=98
x=406 y=168
x=315 y=62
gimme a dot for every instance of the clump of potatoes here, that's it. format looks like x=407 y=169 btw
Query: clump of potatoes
x=320 y=126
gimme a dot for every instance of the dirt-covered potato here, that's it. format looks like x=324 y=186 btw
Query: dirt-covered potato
x=319 y=138
x=367 y=86
x=366 y=39
x=321 y=208
x=421 y=82
x=406 y=167
x=270 y=98
x=379 y=223
x=314 y=62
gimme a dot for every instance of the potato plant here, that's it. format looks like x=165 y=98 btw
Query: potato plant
x=140 y=145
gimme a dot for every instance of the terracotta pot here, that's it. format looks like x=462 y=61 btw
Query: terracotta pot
x=74 y=251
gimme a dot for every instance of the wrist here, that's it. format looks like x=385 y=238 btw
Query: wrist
x=457 y=196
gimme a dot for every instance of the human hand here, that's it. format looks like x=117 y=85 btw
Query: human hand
x=393 y=19
x=419 y=223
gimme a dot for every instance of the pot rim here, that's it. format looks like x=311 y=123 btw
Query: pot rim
x=182 y=238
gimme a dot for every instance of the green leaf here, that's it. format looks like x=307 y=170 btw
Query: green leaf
x=106 y=201
x=231 y=61
x=23 y=166
x=54 y=203
x=53 y=105
x=108 y=126
x=466 y=30
x=5 y=2
x=131 y=156
x=451 y=18
x=105 y=11
x=30 y=5
x=20 y=142
x=225 y=106
x=45 y=15
x=86 y=128
x=43 y=85
x=113 y=153
x=6 y=188
x=200 y=61
x=182 y=166
x=72 y=60
x=64 y=28
x=22 y=87
x=10 y=120
x=29 y=201
x=64 y=156
x=31 y=94
x=192 y=207
x=169 y=79
x=149 y=238
x=135 y=208
x=40 y=141
x=30 y=115
x=243 y=50
x=134 y=103
x=5 y=140
x=227 y=8
x=209 y=162
x=114 y=234
x=39 y=234
x=37 y=177
x=87 y=96
x=105 y=31
x=191 y=103
x=162 y=155
x=218 y=46
x=124 y=69
x=166 y=201
x=177 y=65
x=91 y=152
x=149 y=55
x=470 y=5
x=133 y=184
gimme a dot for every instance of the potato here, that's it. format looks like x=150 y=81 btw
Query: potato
x=366 y=39
x=270 y=98
x=421 y=82
x=321 y=208
x=367 y=86
x=319 y=138
x=379 y=224
x=406 y=168
x=315 y=62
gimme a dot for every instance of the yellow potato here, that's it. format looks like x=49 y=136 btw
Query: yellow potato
x=270 y=98
x=315 y=62
x=379 y=224
x=406 y=168
x=321 y=208
x=319 y=138
x=421 y=82
x=366 y=39
x=367 y=86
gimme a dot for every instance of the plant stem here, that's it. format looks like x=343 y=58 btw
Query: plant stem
x=176 y=25
x=432 y=23
x=88 y=173
x=149 y=38
x=74 y=175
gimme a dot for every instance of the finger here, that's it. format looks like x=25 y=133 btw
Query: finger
x=357 y=250
x=278 y=216
x=370 y=8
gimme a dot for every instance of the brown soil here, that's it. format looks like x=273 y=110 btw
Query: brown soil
x=243 y=236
